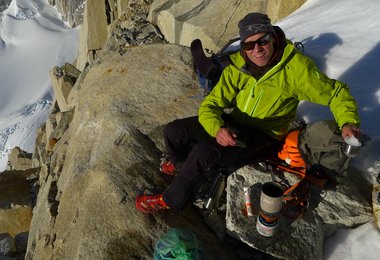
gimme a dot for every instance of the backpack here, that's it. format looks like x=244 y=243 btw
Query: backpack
x=209 y=68
x=321 y=146
x=315 y=154
x=290 y=153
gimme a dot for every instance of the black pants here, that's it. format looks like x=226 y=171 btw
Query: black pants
x=187 y=142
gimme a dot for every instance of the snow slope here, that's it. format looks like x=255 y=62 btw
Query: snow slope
x=33 y=39
x=343 y=37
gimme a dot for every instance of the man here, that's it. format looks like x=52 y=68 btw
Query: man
x=262 y=87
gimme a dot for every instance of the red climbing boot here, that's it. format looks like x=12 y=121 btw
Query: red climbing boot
x=147 y=203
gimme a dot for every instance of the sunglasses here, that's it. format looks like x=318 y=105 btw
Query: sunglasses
x=264 y=40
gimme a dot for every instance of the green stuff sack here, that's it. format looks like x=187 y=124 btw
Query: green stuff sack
x=177 y=244
x=321 y=146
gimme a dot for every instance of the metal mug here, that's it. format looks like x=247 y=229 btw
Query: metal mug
x=271 y=197
x=351 y=149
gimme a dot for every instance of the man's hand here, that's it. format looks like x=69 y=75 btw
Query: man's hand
x=350 y=130
x=226 y=137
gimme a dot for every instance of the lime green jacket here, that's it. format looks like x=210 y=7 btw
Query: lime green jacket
x=270 y=103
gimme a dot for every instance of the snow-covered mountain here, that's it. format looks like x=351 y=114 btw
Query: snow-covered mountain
x=18 y=128
x=33 y=39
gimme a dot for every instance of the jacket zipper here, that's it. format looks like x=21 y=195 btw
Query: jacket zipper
x=257 y=102
x=261 y=90
x=249 y=99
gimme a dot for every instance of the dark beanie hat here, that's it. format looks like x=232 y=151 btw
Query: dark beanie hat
x=254 y=23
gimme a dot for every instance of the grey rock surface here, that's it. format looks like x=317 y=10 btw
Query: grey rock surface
x=19 y=160
x=4 y=5
x=344 y=204
x=212 y=21
x=109 y=153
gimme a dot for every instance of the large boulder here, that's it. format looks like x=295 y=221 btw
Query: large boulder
x=93 y=32
x=16 y=202
x=114 y=25
x=17 y=196
x=110 y=153
x=344 y=203
x=63 y=79
x=214 y=22
x=19 y=160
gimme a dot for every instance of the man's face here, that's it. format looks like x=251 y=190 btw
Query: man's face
x=260 y=54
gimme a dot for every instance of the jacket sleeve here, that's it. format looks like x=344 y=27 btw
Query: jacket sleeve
x=315 y=86
x=211 y=109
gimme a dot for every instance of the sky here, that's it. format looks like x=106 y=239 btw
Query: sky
x=342 y=36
